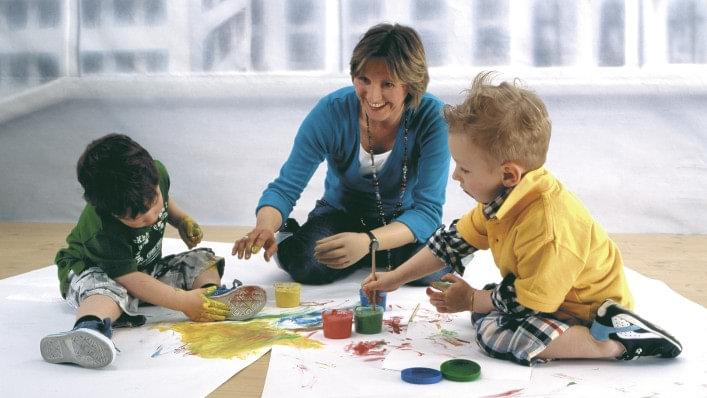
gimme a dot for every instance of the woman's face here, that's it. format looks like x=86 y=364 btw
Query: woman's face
x=382 y=97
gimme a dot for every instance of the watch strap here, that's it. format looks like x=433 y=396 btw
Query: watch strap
x=373 y=247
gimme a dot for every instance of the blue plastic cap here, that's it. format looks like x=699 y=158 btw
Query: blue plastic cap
x=421 y=375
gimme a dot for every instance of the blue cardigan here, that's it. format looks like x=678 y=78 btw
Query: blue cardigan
x=331 y=131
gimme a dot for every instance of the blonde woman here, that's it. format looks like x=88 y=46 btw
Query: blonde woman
x=385 y=144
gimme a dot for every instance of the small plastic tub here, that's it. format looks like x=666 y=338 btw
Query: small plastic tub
x=460 y=370
x=381 y=299
x=421 y=375
x=367 y=320
x=337 y=323
x=287 y=294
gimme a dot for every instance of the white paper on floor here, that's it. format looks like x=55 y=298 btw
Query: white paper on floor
x=152 y=362
x=337 y=372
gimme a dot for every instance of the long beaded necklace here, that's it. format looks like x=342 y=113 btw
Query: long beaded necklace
x=376 y=182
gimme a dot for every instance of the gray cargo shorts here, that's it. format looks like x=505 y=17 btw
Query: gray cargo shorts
x=177 y=270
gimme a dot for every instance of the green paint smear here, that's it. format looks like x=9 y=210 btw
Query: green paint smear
x=226 y=340
x=448 y=333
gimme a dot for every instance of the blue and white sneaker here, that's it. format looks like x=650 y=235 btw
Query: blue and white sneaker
x=639 y=337
x=88 y=344
x=244 y=301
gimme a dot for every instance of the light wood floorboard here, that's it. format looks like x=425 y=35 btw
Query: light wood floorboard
x=678 y=260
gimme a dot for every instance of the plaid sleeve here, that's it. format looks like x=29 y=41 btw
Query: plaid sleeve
x=505 y=300
x=449 y=246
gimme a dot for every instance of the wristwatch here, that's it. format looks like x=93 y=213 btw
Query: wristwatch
x=373 y=247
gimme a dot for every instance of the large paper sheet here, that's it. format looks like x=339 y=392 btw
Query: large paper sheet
x=165 y=357
x=432 y=339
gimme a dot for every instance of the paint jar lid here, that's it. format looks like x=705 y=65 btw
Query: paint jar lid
x=460 y=370
x=421 y=375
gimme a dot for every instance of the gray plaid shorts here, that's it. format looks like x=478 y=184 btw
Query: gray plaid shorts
x=177 y=270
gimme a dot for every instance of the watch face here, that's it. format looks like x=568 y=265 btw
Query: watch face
x=374 y=245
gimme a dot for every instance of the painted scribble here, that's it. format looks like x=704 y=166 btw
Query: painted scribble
x=225 y=340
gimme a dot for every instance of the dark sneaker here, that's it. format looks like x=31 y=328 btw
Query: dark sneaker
x=88 y=344
x=640 y=337
x=126 y=320
x=244 y=301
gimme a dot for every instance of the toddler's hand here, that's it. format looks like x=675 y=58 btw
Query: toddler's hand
x=190 y=232
x=454 y=298
x=199 y=307
x=383 y=281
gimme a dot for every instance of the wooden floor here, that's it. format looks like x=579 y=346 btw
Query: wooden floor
x=678 y=260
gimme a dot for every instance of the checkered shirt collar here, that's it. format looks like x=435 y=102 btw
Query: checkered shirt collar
x=492 y=207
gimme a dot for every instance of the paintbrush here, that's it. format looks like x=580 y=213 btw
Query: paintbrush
x=414 y=312
x=373 y=271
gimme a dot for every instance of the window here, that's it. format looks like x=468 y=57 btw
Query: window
x=91 y=62
x=124 y=61
x=90 y=13
x=156 y=61
x=155 y=12
x=304 y=25
x=611 y=34
x=19 y=68
x=224 y=47
x=428 y=16
x=554 y=34
x=687 y=32
x=492 y=38
x=16 y=14
x=47 y=67
x=49 y=13
x=124 y=11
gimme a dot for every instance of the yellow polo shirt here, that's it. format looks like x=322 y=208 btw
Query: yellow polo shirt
x=563 y=260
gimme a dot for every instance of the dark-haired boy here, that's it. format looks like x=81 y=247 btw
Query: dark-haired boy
x=114 y=256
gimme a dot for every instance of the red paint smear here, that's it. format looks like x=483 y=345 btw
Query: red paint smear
x=393 y=324
x=367 y=348
x=508 y=393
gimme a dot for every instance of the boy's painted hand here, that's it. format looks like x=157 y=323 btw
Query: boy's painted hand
x=454 y=298
x=200 y=308
x=190 y=232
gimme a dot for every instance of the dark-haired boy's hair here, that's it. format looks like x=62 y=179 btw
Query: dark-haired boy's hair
x=118 y=176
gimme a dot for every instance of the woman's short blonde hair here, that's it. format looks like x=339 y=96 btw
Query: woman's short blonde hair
x=401 y=49
x=508 y=121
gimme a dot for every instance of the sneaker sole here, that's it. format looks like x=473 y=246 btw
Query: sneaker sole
x=245 y=302
x=84 y=347
x=643 y=324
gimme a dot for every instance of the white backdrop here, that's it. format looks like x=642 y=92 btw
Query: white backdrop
x=634 y=150
x=216 y=89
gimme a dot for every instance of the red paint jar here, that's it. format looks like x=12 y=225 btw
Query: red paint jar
x=337 y=323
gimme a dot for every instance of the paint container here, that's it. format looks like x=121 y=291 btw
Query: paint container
x=381 y=298
x=337 y=323
x=287 y=294
x=368 y=320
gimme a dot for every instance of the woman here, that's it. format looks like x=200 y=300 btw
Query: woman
x=385 y=144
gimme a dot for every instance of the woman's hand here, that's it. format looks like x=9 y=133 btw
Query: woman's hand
x=341 y=250
x=253 y=241
x=455 y=298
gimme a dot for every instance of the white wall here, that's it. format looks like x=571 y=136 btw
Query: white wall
x=635 y=153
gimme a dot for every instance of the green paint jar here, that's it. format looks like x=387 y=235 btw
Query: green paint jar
x=367 y=320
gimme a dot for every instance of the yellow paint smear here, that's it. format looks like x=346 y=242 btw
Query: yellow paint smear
x=225 y=340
